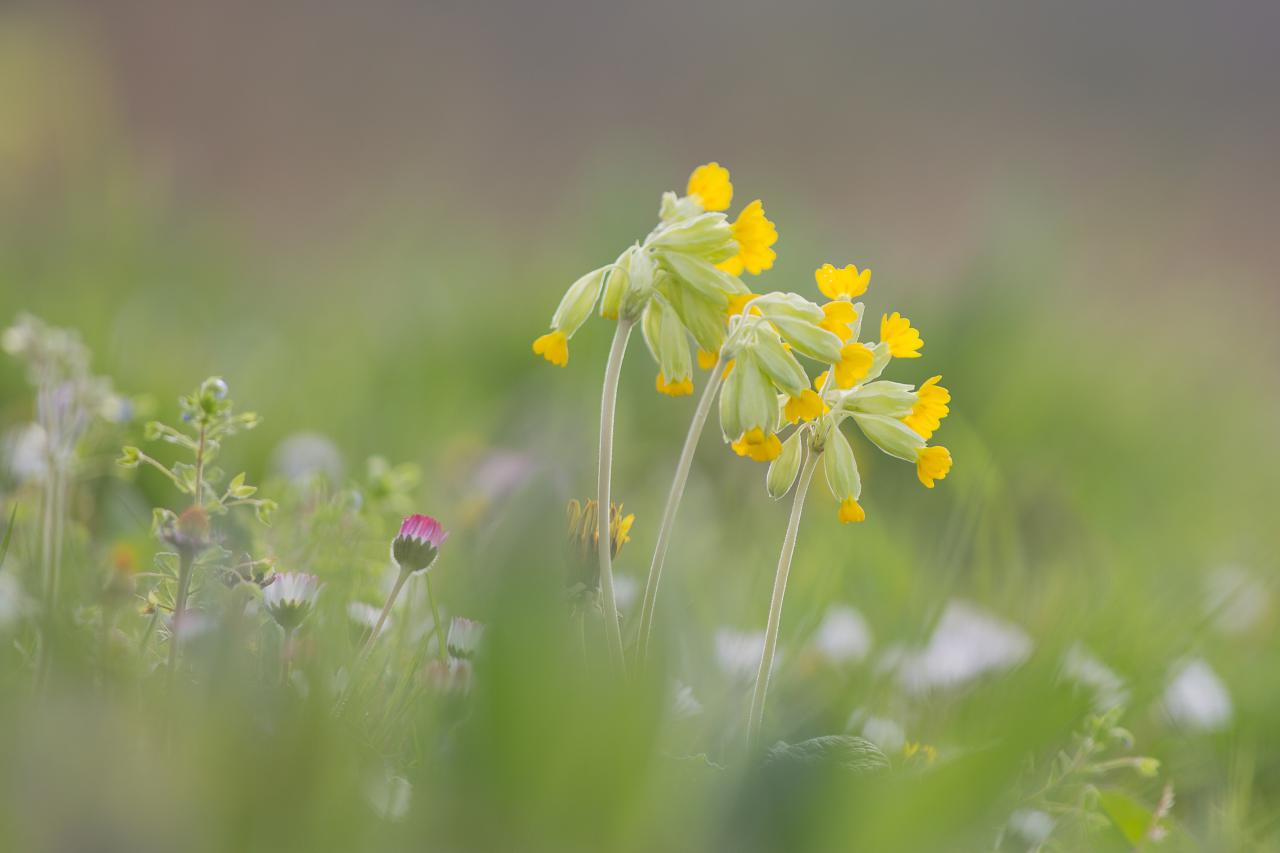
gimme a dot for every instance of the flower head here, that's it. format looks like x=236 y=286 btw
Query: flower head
x=710 y=184
x=903 y=340
x=932 y=463
x=464 y=637
x=755 y=234
x=418 y=543
x=930 y=408
x=844 y=284
x=290 y=597
x=554 y=347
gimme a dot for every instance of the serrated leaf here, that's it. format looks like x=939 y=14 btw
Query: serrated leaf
x=845 y=751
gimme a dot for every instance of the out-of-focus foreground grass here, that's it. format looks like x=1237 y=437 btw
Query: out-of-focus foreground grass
x=1113 y=497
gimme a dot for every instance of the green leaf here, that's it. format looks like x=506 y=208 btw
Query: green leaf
x=1130 y=817
x=8 y=534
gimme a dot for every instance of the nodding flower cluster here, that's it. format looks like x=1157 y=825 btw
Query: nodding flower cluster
x=678 y=283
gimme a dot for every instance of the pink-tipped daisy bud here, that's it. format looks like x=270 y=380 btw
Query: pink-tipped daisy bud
x=290 y=597
x=464 y=637
x=418 y=542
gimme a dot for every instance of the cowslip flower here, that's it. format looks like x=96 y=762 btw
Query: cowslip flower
x=903 y=340
x=711 y=185
x=290 y=598
x=418 y=543
x=931 y=407
x=755 y=235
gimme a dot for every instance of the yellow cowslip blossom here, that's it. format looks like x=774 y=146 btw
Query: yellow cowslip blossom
x=584 y=528
x=855 y=362
x=927 y=752
x=851 y=512
x=903 y=340
x=738 y=303
x=758 y=445
x=846 y=284
x=932 y=463
x=754 y=234
x=838 y=318
x=807 y=406
x=931 y=407
x=678 y=388
x=707 y=359
x=710 y=183
x=554 y=347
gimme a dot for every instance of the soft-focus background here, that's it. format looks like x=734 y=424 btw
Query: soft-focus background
x=361 y=214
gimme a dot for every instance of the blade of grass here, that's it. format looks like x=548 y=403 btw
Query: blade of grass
x=8 y=534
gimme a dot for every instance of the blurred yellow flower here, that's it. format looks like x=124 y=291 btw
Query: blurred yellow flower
x=903 y=340
x=756 y=444
x=929 y=410
x=932 y=463
x=847 y=283
x=707 y=359
x=710 y=183
x=678 y=388
x=554 y=347
x=754 y=234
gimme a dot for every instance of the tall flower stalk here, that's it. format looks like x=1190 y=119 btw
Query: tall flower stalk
x=674 y=497
x=756 y=715
x=676 y=284
x=608 y=404
x=897 y=418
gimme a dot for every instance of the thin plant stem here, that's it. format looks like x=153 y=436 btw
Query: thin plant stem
x=185 y=561
x=756 y=716
x=441 y=652
x=673 y=506
x=382 y=617
x=608 y=401
x=286 y=662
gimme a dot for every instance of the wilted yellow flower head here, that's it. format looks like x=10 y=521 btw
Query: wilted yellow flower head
x=846 y=284
x=755 y=234
x=710 y=183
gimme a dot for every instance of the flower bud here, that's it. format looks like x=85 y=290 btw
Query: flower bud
x=464 y=637
x=667 y=340
x=780 y=365
x=784 y=469
x=894 y=399
x=578 y=301
x=418 y=543
x=615 y=285
x=707 y=236
x=700 y=275
x=639 y=285
x=290 y=597
x=840 y=466
x=890 y=435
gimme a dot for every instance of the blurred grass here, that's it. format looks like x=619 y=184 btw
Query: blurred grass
x=1110 y=454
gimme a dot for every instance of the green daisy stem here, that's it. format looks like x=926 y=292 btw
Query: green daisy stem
x=608 y=402
x=382 y=617
x=678 y=484
x=441 y=633
x=756 y=716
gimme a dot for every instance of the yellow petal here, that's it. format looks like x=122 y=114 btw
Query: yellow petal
x=710 y=183
x=851 y=512
x=554 y=347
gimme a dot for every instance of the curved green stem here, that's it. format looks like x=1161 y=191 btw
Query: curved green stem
x=756 y=716
x=673 y=506
x=608 y=401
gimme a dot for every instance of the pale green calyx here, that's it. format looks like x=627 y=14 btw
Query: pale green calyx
x=783 y=470
x=578 y=301
x=840 y=466
x=891 y=435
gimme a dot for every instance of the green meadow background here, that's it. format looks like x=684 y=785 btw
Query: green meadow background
x=362 y=214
